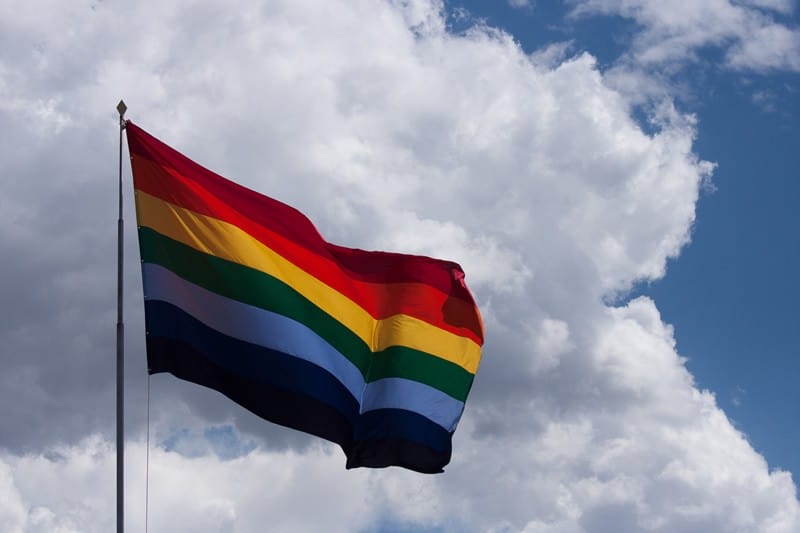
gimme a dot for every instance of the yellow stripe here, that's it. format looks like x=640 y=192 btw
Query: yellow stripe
x=231 y=243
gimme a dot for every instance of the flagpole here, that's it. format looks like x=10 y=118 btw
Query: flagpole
x=121 y=107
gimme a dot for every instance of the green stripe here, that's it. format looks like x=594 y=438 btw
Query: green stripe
x=258 y=289
x=399 y=361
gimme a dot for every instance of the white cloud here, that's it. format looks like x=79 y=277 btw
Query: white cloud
x=551 y=341
x=766 y=100
x=13 y=511
x=674 y=31
x=531 y=172
x=781 y=6
x=553 y=54
x=67 y=489
x=770 y=47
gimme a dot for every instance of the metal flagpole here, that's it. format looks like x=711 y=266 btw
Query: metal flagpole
x=121 y=107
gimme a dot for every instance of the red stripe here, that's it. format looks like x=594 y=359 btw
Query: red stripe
x=382 y=283
x=380 y=267
x=381 y=300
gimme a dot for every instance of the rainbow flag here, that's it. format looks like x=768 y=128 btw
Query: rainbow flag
x=374 y=351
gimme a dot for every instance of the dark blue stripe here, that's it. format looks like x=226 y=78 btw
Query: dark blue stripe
x=284 y=407
x=291 y=392
x=382 y=439
x=256 y=363
x=402 y=424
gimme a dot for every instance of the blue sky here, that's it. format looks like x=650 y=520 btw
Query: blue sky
x=732 y=294
x=618 y=180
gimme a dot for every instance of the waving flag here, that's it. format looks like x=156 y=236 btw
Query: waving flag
x=374 y=351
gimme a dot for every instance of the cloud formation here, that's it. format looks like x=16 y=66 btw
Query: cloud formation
x=390 y=133
x=752 y=34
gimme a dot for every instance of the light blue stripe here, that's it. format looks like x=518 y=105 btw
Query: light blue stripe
x=401 y=393
x=277 y=332
x=250 y=324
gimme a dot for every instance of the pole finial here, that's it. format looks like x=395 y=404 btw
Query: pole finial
x=121 y=107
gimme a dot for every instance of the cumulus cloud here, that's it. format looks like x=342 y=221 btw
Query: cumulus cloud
x=391 y=133
x=66 y=490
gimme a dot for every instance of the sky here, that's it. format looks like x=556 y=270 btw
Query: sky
x=616 y=177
